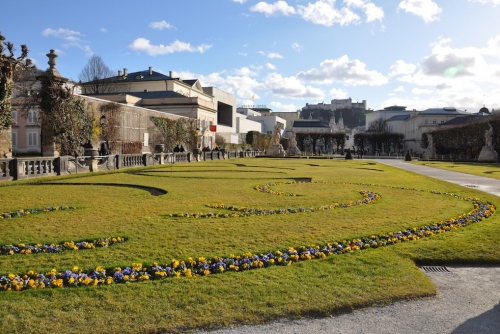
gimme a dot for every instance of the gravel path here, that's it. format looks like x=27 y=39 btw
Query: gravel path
x=468 y=299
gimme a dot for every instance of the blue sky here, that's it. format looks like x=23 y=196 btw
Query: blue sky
x=283 y=54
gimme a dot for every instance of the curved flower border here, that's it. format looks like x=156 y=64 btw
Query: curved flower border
x=57 y=248
x=24 y=212
x=368 y=197
x=203 y=267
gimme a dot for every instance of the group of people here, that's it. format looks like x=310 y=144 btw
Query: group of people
x=207 y=149
x=178 y=149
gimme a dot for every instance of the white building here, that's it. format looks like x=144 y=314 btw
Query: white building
x=427 y=120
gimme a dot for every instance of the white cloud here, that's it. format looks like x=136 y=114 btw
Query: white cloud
x=279 y=7
x=419 y=91
x=245 y=71
x=349 y=72
x=142 y=44
x=336 y=93
x=161 y=25
x=270 y=66
x=272 y=55
x=244 y=54
x=291 y=87
x=457 y=68
x=400 y=89
x=323 y=12
x=240 y=1
x=471 y=101
x=428 y=10
x=66 y=34
x=297 y=47
x=401 y=67
x=72 y=37
x=103 y=30
x=493 y=2
x=278 y=106
x=372 y=12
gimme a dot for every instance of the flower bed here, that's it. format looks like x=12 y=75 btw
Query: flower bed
x=24 y=212
x=202 y=267
x=57 y=248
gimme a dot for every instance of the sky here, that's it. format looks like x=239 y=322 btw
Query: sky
x=282 y=54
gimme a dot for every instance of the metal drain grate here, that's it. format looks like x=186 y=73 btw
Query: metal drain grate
x=435 y=269
x=471 y=186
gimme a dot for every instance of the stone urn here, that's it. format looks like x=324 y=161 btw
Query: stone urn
x=159 y=148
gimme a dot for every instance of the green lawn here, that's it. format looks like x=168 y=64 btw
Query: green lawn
x=475 y=168
x=336 y=284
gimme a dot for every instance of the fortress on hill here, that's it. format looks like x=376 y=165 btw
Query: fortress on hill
x=352 y=113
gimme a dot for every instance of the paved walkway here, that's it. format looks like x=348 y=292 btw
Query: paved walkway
x=485 y=184
x=468 y=299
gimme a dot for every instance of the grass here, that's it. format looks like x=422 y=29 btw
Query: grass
x=491 y=170
x=314 y=288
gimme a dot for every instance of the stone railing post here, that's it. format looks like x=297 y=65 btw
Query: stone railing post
x=61 y=165
x=118 y=161
x=19 y=170
x=145 y=159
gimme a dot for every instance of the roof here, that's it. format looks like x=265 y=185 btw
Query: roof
x=459 y=120
x=395 y=108
x=261 y=109
x=442 y=111
x=310 y=124
x=137 y=76
x=398 y=118
x=190 y=82
x=155 y=95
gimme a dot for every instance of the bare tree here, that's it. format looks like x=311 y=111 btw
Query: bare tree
x=378 y=125
x=220 y=140
x=96 y=77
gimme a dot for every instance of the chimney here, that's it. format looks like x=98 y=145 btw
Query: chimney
x=170 y=73
x=119 y=73
x=125 y=72
x=150 y=70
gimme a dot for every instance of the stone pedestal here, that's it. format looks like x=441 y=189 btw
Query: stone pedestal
x=6 y=143
x=276 y=151
x=488 y=154
x=92 y=160
x=429 y=152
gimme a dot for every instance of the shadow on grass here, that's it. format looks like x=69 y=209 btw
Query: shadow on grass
x=152 y=190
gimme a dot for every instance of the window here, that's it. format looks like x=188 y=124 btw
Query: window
x=14 y=139
x=32 y=117
x=14 y=116
x=434 y=122
x=32 y=139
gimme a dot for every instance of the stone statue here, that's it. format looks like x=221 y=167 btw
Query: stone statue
x=275 y=148
x=487 y=152
x=431 y=142
x=292 y=146
x=488 y=136
x=430 y=151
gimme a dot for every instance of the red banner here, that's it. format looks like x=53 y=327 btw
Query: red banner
x=213 y=128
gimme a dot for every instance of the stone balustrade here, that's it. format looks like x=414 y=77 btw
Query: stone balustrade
x=26 y=168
